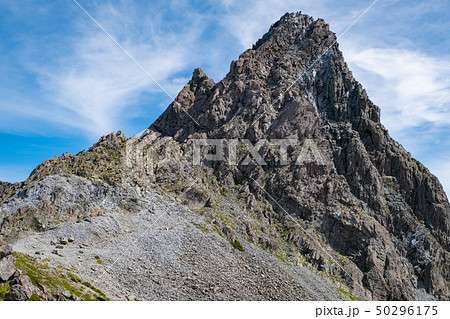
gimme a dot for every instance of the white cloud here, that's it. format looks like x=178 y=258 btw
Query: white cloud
x=249 y=20
x=412 y=88
x=96 y=82
x=99 y=81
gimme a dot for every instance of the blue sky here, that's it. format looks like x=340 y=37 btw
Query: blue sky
x=65 y=82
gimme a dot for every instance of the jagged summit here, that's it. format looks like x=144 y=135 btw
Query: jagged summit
x=371 y=219
x=293 y=23
x=290 y=62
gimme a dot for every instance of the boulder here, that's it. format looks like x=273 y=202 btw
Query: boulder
x=7 y=268
x=5 y=250
x=25 y=284
x=16 y=293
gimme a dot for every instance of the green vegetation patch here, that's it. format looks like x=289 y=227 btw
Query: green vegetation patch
x=348 y=294
x=281 y=255
x=34 y=297
x=55 y=280
x=99 y=261
x=237 y=245
x=98 y=291
x=3 y=290
x=73 y=277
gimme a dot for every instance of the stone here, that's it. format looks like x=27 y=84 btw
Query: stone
x=16 y=293
x=5 y=250
x=71 y=239
x=67 y=294
x=7 y=267
x=25 y=284
x=360 y=162
x=63 y=241
x=57 y=252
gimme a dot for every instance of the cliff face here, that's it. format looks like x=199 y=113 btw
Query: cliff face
x=344 y=198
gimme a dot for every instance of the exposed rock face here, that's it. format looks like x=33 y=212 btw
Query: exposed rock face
x=7 y=189
x=5 y=250
x=4 y=186
x=46 y=203
x=359 y=209
x=394 y=216
x=22 y=288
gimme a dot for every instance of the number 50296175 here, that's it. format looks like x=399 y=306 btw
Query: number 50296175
x=406 y=311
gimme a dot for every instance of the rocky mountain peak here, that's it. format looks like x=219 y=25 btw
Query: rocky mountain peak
x=111 y=141
x=294 y=28
x=358 y=207
x=297 y=62
x=198 y=78
x=295 y=83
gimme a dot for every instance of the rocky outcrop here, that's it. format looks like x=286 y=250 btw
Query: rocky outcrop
x=22 y=288
x=15 y=286
x=190 y=103
x=8 y=189
x=55 y=199
x=101 y=161
x=4 y=187
x=7 y=263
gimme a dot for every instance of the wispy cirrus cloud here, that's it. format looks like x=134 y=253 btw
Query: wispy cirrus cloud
x=97 y=82
x=412 y=87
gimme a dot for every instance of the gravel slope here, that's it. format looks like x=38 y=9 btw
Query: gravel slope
x=165 y=252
